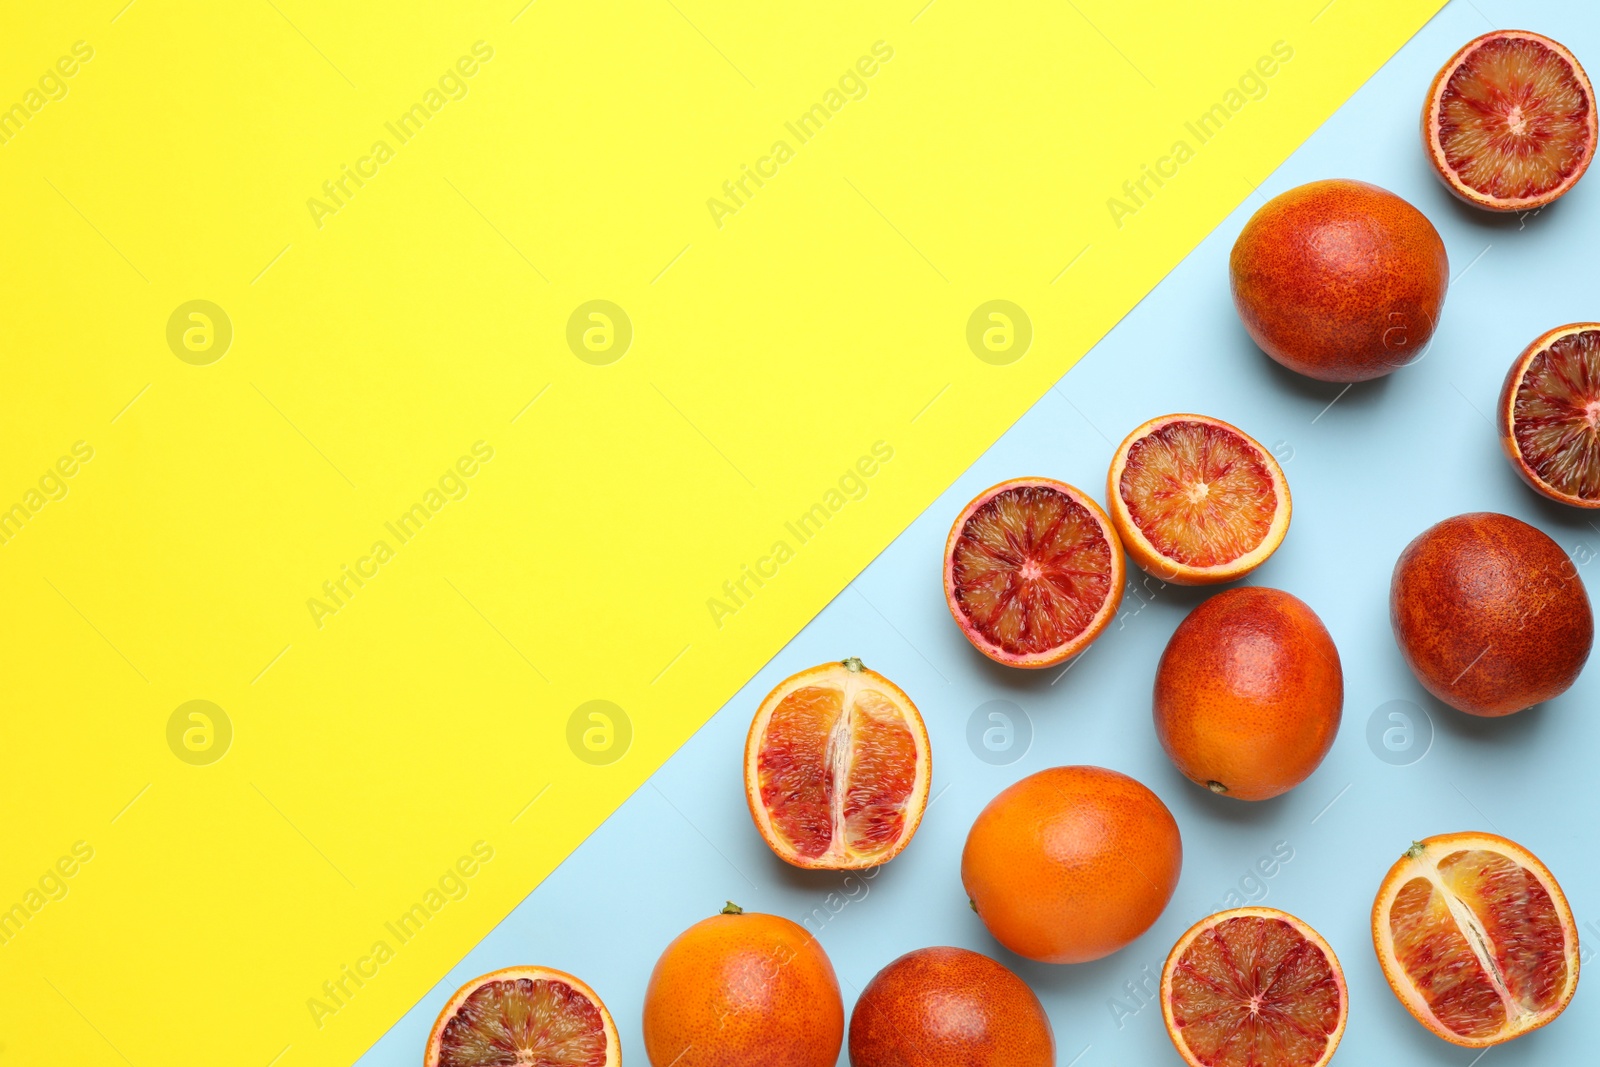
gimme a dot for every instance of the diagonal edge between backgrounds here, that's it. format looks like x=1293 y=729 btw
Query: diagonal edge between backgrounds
x=850 y=572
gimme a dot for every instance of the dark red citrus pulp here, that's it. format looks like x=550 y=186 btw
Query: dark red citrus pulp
x=1253 y=991
x=1515 y=120
x=1511 y=920
x=524 y=1022
x=1032 y=568
x=1555 y=415
x=1199 y=493
x=818 y=751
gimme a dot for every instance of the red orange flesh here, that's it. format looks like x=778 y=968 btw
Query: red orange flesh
x=1254 y=987
x=1033 y=572
x=1476 y=938
x=837 y=768
x=1197 y=501
x=1509 y=122
x=1550 y=414
x=529 y=1016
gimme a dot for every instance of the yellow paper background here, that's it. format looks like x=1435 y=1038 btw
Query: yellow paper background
x=769 y=354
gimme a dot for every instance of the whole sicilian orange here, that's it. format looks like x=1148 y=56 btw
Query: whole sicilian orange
x=949 y=1007
x=1072 y=863
x=1490 y=614
x=739 y=990
x=1249 y=693
x=1339 y=280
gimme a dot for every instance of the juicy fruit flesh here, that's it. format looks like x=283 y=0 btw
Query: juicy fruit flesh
x=524 y=1022
x=1253 y=991
x=1556 y=415
x=837 y=769
x=1199 y=493
x=1507 y=963
x=1513 y=120
x=1032 y=568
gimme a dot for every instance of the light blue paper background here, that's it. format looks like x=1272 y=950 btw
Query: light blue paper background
x=1369 y=468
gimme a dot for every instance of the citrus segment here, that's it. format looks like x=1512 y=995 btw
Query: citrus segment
x=1197 y=501
x=837 y=768
x=1033 y=572
x=881 y=777
x=1253 y=987
x=1509 y=121
x=524 y=1017
x=1550 y=414
x=1475 y=938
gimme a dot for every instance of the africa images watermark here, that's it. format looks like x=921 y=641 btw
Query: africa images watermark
x=337 y=192
x=52 y=486
x=852 y=85
x=452 y=885
x=337 y=592
x=852 y=485
x=51 y=886
x=1252 y=85
x=1249 y=889
x=51 y=87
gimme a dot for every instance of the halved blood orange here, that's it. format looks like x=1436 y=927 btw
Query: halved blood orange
x=1509 y=122
x=1197 y=501
x=1033 y=572
x=524 y=1017
x=1253 y=987
x=837 y=767
x=1550 y=414
x=1475 y=938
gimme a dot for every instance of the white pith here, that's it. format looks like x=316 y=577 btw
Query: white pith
x=1424 y=865
x=838 y=755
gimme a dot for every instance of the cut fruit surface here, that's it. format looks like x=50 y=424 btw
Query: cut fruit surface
x=1550 y=414
x=1197 y=501
x=1033 y=571
x=1254 y=987
x=524 y=1017
x=1509 y=122
x=837 y=768
x=1475 y=938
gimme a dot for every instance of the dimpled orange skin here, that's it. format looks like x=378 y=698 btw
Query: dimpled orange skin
x=1249 y=693
x=949 y=1007
x=744 y=990
x=1071 y=863
x=1490 y=614
x=1339 y=280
